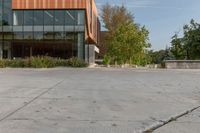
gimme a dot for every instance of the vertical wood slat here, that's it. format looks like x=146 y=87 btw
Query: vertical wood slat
x=48 y=4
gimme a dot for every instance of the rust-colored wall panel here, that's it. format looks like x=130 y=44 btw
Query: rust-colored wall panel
x=48 y=4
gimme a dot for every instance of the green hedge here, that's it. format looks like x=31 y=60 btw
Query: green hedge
x=42 y=62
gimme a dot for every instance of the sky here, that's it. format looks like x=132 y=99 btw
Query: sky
x=163 y=18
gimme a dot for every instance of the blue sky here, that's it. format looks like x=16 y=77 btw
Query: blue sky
x=161 y=17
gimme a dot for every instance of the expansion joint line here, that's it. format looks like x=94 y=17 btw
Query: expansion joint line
x=31 y=101
x=161 y=123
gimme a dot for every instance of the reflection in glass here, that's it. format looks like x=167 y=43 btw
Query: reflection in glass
x=38 y=17
x=28 y=17
x=43 y=27
x=7 y=12
x=38 y=36
x=70 y=18
x=48 y=17
x=59 y=35
x=18 y=36
x=59 y=17
x=18 y=18
x=69 y=37
x=80 y=17
x=1 y=12
x=8 y=35
x=48 y=35
x=28 y=35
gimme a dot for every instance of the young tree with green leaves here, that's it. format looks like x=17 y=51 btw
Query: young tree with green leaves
x=126 y=40
x=191 y=40
x=187 y=47
x=177 y=47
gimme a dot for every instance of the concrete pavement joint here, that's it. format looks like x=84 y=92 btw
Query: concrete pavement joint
x=161 y=123
x=32 y=100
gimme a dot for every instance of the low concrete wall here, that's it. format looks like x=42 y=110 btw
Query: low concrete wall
x=182 y=64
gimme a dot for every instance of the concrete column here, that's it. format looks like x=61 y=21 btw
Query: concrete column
x=90 y=53
x=80 y=46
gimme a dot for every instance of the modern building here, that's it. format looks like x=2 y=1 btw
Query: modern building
x=56 y=28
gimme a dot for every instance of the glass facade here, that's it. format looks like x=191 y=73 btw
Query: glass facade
x=56 y=33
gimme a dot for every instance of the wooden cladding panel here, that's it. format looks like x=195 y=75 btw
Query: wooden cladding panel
x=48 y=4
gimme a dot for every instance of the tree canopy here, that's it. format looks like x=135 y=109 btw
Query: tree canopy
x=115 y=16
x=187 y=47
x=126 y=40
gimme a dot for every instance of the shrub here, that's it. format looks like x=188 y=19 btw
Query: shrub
x=75 y=62
x=106 y=60
x=16 y=63
x=62 y=63
x=42 y=62
x=4 y=63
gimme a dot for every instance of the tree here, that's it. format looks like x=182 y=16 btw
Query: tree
x=189 y=45
x=157 y=57
x=126 y=40
x=128 y=44
x=114 y=16
x=177 y=47
x=191 y=40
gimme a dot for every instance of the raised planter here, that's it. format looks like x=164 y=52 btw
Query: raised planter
x=182 y=64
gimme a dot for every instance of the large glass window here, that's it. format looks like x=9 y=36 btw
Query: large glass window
x=1 y=12
x=1 y=36
x=80 y=17
x=28 y=35
x=59 y=17
x=38 y=17
x=80 y=45
x=48 y=35
x=22 y=27
x=59 y=36
x=38 y=36
x=48 y=17
x=8 y=35
x=18 y=36
x=7 y=12
x=70 y=17
x=69 y=37
x=18 y=18
x=28 y=17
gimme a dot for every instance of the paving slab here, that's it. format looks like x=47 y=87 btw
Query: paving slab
x=100 y=100
x=187 y=124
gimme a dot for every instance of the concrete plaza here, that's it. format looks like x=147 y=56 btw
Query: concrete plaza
x=99 y=100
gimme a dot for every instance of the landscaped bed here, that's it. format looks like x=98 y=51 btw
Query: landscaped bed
x=42 y=62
